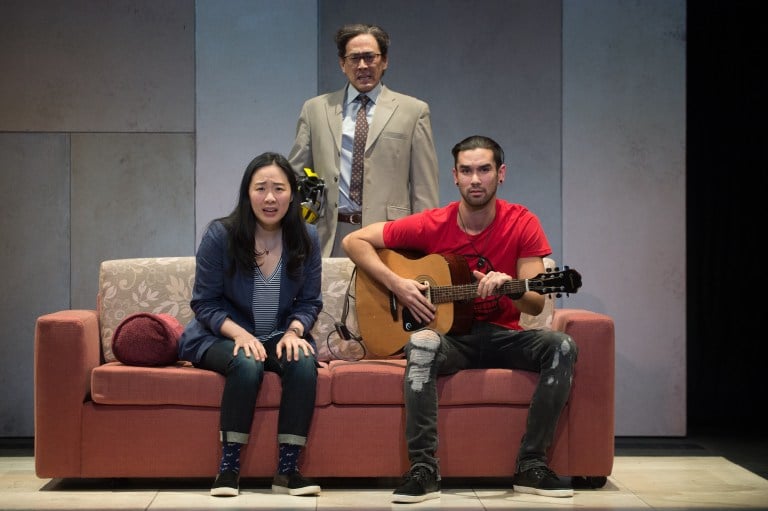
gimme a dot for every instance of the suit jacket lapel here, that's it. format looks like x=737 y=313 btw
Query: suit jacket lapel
x=385 y=108
x=333 y=116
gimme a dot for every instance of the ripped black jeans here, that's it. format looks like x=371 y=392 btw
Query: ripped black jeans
x=549 y=353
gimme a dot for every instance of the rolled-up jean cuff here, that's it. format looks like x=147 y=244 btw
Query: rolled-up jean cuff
x=284 y=438
x=233 y=436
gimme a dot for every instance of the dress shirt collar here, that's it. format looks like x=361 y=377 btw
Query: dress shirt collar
x=352 y=94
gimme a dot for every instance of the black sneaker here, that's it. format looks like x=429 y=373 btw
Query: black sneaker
x=420 y=484
x=227 y=484
x=294 y=484
x=541 y=481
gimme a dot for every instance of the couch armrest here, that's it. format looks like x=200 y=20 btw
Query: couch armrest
x=591 y=406
x=67 y=348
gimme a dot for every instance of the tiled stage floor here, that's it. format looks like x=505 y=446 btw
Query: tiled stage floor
x=649 y=473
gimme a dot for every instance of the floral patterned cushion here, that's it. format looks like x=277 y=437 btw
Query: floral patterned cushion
x=157 y=285
x=543 y=320
x=163 y=285
x=337 y=274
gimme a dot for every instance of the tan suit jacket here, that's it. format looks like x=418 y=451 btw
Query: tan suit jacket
x=401 y=172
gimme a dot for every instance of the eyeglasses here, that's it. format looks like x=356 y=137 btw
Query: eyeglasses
x=355 y=58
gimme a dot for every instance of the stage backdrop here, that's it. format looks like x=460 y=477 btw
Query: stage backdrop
x=125 y=126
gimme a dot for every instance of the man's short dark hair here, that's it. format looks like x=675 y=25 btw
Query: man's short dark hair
x=347 y=32
x=479 y=142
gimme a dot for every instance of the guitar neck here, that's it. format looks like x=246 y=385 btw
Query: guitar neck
x=456 y=293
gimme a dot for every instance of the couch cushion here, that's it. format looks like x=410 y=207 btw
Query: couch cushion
x=158 y=285
x=380 y=382
x=182 y=384
x=164 y=285
x=146 y=339
x=487 y=387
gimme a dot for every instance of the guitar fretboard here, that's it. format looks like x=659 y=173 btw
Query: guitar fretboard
x=445 y=294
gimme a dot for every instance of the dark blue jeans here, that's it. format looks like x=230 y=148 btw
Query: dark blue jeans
x=243 y=380
x=549 y=353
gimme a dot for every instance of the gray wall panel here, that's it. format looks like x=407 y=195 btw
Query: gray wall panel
x=133 y=196
x=118 y=65
x=256 y=64
x=624 y=195
x=34 y=260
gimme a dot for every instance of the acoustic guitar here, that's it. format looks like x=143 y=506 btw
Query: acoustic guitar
x=386 y=326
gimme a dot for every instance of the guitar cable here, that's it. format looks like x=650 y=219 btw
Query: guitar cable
x=341 y=328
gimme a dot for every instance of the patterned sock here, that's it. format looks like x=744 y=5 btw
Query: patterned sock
x=230 y=457
x=288 y=458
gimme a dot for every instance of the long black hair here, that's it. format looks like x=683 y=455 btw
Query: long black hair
x=241 y=222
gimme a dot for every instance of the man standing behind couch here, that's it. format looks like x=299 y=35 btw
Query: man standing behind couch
x=394 y=170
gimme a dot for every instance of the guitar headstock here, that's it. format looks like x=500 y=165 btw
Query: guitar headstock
x=556 y=282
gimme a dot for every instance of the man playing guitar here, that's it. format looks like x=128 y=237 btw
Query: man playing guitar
x=502 y=242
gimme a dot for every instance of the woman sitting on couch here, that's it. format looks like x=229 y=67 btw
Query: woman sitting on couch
x=256 y=296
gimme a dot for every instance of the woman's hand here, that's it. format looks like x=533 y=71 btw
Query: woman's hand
x=250 y=346
x=291 y=342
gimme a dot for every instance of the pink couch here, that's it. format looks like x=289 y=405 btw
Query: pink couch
x=97 y=418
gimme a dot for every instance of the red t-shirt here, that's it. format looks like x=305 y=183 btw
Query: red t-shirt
x=514 y=233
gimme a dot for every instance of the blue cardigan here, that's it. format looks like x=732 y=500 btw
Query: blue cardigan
x=217 y=295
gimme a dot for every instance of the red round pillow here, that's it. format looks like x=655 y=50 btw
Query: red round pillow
x=145 y=339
